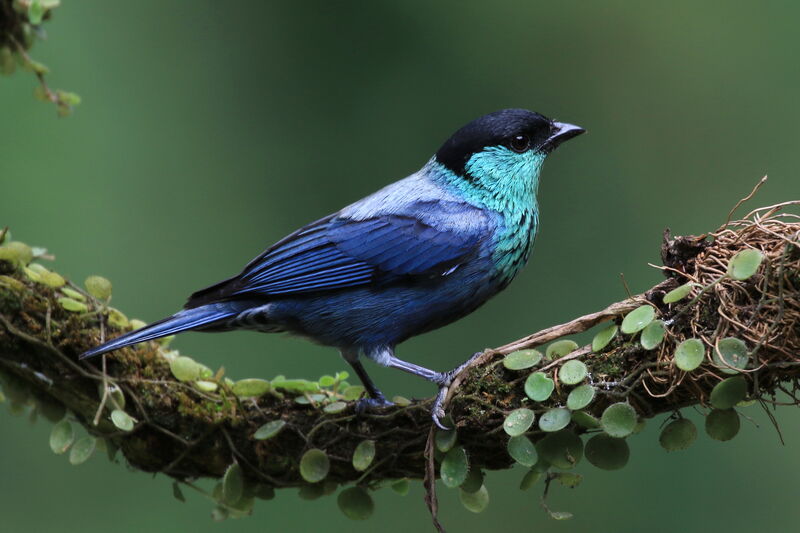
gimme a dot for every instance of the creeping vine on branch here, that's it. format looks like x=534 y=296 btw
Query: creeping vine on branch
x=722 y=331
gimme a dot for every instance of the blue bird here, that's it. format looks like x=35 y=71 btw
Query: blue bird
x=412 y=257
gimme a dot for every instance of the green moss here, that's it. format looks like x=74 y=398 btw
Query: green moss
x=9 y=301
x=609 y=364
x=491 y=384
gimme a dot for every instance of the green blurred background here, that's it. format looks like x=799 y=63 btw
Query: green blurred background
x=209 y=130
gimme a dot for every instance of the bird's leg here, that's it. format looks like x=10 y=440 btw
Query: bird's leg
x=376 y=397
x=385 y=356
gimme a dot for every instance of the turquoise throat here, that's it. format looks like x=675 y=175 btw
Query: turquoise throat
x=505 y=182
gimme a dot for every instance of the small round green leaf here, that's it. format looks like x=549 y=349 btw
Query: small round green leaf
x=82 y=450
x=560 y=348
x=518 y=421
x=728 y=392
x=206 y=386
x=335 y=407
x=585 y=420
x=401 y=487
x=722 y=424
x=476 y=501
x=678 y=435
x=310 y=399
x=353 y=392
x=572 y=372
x=689 y=354
x=355 y=503
x=314 y=465
x=232 y=484
x=563 y=449
x=730 y=355
x=36 y=11
x=118 y=319
x=652 y=334
x=445 y=439
x=263 y=492
x=580 y=397
x=122 y=420
x=474 y=480
x=603 y=337
x=522 y=450
x=607 y=452
x=400 y=401
x=16 y=252
x=299 y=386
x=72 y=305
x=638 y=319
x=52 y=279
x=522 y=359
x=61 y=437
x=32 y=273
x=539 y=386
x=311 y=492
x=554 y=419
x=251 y=387
x=72 y=293
x=98 y=286
x=676 y=295
x=185 y=368
x=363 y=455
x=744 y=264
x=327 y=381
x=269 y=430
x=50 y=409
x=38 y=268
x=454 y=467
x=618 y=420
x=329 y=487
x=529 y=479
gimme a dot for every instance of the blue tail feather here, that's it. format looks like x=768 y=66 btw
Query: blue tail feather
x=180 y=321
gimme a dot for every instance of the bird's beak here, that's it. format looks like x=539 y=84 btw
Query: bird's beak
x=563 y=132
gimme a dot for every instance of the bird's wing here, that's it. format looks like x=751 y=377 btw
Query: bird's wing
x=339 y=252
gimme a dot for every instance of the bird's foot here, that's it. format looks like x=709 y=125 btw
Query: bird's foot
x=437 y=412
x=370 y=404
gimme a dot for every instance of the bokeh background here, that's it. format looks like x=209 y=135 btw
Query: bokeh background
x=211 y=129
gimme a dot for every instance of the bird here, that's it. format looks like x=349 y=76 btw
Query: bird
x=412 y=257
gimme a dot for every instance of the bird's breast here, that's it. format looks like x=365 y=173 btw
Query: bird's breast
x=513 y=243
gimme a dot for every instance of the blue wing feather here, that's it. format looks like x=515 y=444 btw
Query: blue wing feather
x=338 y=252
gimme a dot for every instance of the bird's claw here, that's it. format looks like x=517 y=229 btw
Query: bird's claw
x=437 y=411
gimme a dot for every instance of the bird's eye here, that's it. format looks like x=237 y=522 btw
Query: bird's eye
x=519 y=143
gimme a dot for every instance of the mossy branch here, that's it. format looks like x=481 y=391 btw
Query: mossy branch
x=21 y=26
x=186 y=433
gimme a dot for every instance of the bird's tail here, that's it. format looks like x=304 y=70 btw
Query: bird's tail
x=187 y=319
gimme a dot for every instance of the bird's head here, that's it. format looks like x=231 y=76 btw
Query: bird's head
x=504 y=146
